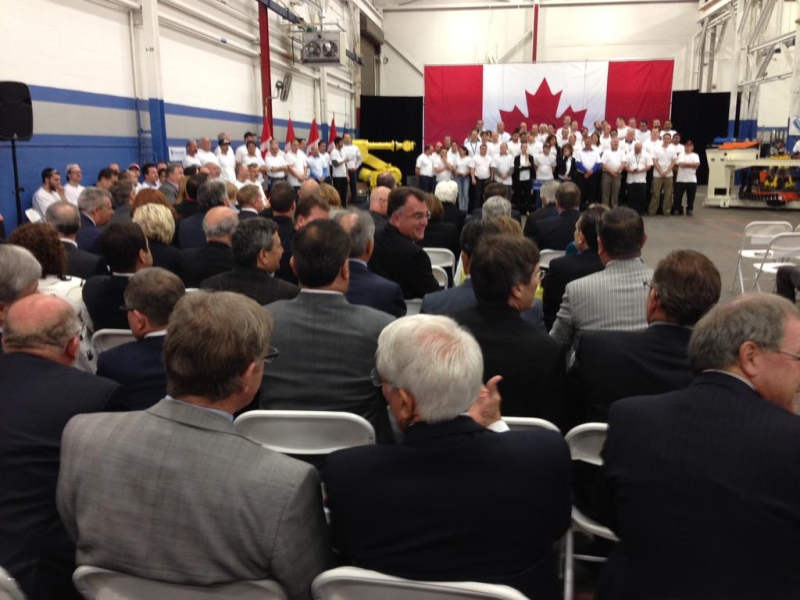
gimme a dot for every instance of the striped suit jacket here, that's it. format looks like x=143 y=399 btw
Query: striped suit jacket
x=614 y=298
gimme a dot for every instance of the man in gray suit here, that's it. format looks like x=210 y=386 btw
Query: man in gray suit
x=616 y=297
x=327 y=345
x=174 y=493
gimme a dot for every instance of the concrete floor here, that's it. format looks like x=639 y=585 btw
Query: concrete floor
x=716 y=232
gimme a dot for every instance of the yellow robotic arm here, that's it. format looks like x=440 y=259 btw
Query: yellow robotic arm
x=374 y=166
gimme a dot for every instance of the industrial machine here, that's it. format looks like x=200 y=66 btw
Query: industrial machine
x=738 y=177
x=374 y=166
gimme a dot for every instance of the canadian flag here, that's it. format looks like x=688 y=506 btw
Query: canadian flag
x=457 y=96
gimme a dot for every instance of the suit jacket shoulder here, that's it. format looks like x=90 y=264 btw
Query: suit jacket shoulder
x=368 y=289
x=399 y=259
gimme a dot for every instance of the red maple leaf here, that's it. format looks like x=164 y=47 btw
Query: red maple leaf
x=542 y=108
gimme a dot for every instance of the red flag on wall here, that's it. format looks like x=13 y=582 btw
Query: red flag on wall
x=313 y=136
x=290 y=132
x=266 y=136
x=332 y=134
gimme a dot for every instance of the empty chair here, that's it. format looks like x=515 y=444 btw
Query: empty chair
x=101 y=584
x=585 y=443
x=441 y=276
x=528 y=423
x=352 y=583
x=781 y=248
x=441 y=257
x=9 y=590
x=33 y=216
x=305 y=432
x=547 y=255
x=413 y=306
x=106 y=339
x=755 y=239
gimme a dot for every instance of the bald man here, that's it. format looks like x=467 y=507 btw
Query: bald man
x=41 y=392
x=308 y=188
x=198 y=264
x=378 y=203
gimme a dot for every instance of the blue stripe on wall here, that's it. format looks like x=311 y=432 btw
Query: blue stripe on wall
x=62 y=96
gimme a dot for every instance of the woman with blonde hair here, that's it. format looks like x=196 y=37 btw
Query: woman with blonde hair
x=158 y=225
x=330 y=194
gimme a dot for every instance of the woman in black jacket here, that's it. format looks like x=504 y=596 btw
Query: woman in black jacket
x=522 y=179
x=566 y=166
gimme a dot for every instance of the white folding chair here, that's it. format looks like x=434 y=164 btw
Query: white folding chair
x=547 y=255
x=783 y=247
x=585 y=443
x=33 y=216
x=441 y=257
x=9 y=590
x=352 y=583
x=106 y=339
x=305 y=432
x=529 y=423
x=441 y=276
x=101 y=584
x=755 y=239
x=413 y=306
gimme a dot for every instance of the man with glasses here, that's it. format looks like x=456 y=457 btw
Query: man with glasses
x=174 y=492
x=327 y=344
x=42 y=391
x=397 y=257
x=700 y=484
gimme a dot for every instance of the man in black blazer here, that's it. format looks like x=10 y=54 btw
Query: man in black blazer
x=573 y=266
x=397 y=257
x=365 y=287
x=455 y=501
x=198 y=264
x=96 y=212
x=126 y=251
x=139 y=366
x=190 y=229
x=283 y=203
x=257 y=253
x=548 y=209
x=41 y=392
x=505 y=275
x=557 y=233
x=700 y=484
x=66 y=219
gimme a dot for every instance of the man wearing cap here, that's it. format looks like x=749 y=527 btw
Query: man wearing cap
x=241 y=151
x=226 y=157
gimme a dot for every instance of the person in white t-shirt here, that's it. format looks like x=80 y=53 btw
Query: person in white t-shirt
x=515 y=144
x=316 y=165
x=326 y=158
x=545 y=163
x=663 y=162
x=589 y=167
x=73 y=188
x=442 y=166
x=563 y=136
x=638 y=163
x=481 y=174
x=473 y=143
x=241 y=151
x=503 y=168
x=502 y=134
x=204 y=152
x=493 y=147
x=297 y=168
x=423 y=169
x=191 y=159
x=652 y=144
x=668 y=129
x=253 y=156
x=452 y=155
x=339 y=169
x=643 y=133
x=226 y=157
x=686 y=180
x=605 y=139
x=676 y=142
x=622 y=129
x=463 y=166
x=613 y=162
x=275 y=162
x=353 y=161
x=50 y=192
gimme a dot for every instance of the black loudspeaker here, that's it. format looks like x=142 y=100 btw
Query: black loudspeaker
x=16 y=111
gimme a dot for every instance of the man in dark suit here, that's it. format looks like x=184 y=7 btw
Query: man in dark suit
x=139 y=366
x=548 y=209
x=283 y=203
x=573 y=266
x=211 y=193
x=171 y=186
x=41 y=392
x=96 y=212
x=455 y=501
x=198 y=264
x=257 y=253
x=699 y=484
x=397 y=257
x=556 y=233
x=125 y=250
x=251 y=202
x=365 y=287
x=310 y=207
x=327 y=345
x=122 y=194
x=505 y=276
x=66 y=220
x=174 y=492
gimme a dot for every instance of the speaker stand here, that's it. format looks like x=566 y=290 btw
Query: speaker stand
x=17 y=190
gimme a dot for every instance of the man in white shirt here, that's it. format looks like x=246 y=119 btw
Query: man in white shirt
x=493 y=146
x=50 y=192
x=643 y=134
x=473 y=143
x=638 y=163
x=668 y=129
x=503 y=167
x=339 y=169
x=204 y=153
x=191 y=159
x=563 y=137
x=317 y=166
x=676 y=143
x=545 y=162
x=573 y=128
x=502 y=134
x=651 y=145
x=663 y=162
x=73 y=188
x=622 y=128
x=326 y=158
x=353 y=160
x=589 y=166
x=241 y=151
x=514 y=144
x=424 y=170
x=297 y=171
x=481 y=173
x=253 y=156
x=613 y=162
x=275 y=162
x=605 y=139
x=151 y=180
x=686 y=180
x=226 y=157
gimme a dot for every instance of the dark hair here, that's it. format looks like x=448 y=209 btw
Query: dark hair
x=338 y=140
x=499 y=263
x=42 y=241
x=148 y=166
x=474 y=231
x=308 y=203
x=282 y=196
x=190 y=170
x=687 y=284
x=106 y=173
x=121 y=193
x=386 y=179
x=211 y=193
x=399 y=196
x=587 y=225
x=319 y=249
x=250 y=238
x=621 y=230
x=194 y=183
x=48 y=173
x=120 y=244
x=154 y=291
x=171 y=168
x=495 y=189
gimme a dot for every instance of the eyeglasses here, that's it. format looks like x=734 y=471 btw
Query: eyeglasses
x=375 y=377
x=541 y=275
x=272 y=354
x=419 y=216
x=787 y=353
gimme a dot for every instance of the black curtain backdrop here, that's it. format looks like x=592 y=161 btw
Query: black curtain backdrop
x=390 y=118
x=700 y=118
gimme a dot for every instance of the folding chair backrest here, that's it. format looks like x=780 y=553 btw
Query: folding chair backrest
x=106 y=339
x=760 y=233
x=586 y=441
x=441 y=257
x=352 y=583
x=784 y=245
x=440 y=275
x=33 y=216
x=305 y=432
x=548 y=255
x=9 y=590
x=413 y=306
x=101 y=584
x=529 y=423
